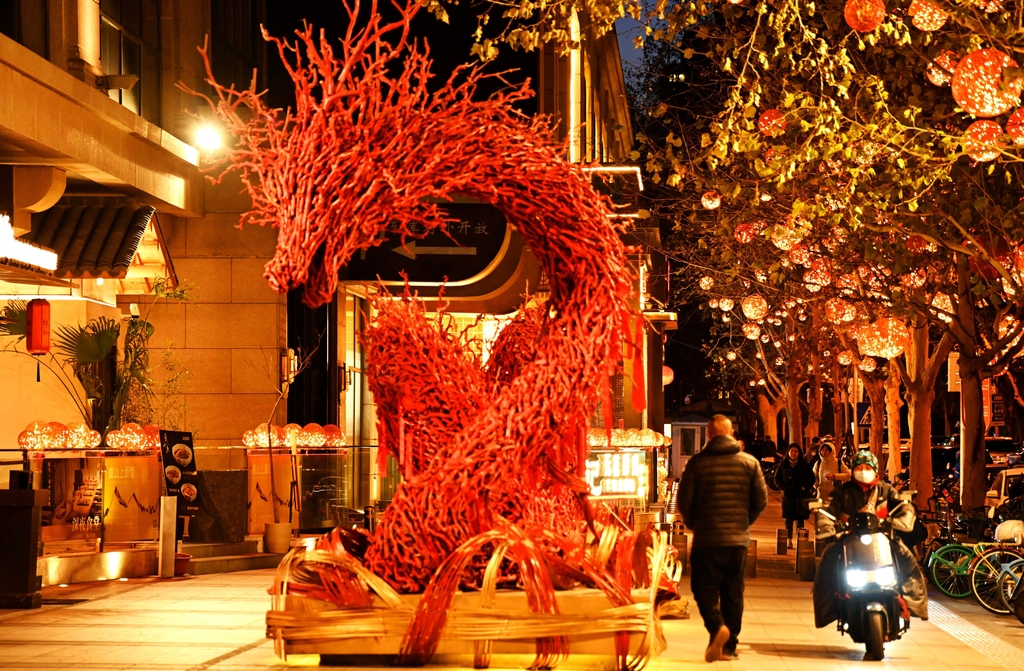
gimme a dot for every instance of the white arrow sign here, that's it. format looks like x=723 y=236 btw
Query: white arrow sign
x=411 y=250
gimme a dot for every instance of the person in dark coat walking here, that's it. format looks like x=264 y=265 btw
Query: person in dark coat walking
x=795 y=477
x=721 y=494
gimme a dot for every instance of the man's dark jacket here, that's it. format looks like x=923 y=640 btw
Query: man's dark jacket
x=721 y=494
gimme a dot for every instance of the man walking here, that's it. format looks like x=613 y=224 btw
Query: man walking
x=721 y=494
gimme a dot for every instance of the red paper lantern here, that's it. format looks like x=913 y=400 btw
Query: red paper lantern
x=940 y=71
x=864 y=15
x=927 y=15
x=37 y=331
x=1015 y=127
x=744 y=233
x=771 y=123
x=916 y=244
x=978 y=85
x=800 y=254
x=981 y=142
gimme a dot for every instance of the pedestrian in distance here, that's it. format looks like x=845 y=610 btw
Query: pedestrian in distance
x=721 y=494
x=813 y=452
x=795 y=478
x=829 y=471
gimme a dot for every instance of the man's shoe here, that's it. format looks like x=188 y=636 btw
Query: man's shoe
x=714 y=649
x=730 y=655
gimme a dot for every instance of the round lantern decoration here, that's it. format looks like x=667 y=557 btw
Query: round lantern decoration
x=981 y=141
x=988 y=6
x=726 y=318
x=940 y=71
x=711 y=200
x=820 y=275
x=335 y=436
x=785 y=237
x=839 y=311
x=868 y=365
x=885 y=338
x=114 y=440
x=845 y=358
x=33 y=437
x=914 y=280
x=726 y=304
x=928 y=16
x=706 y=282
x=943 y=305
x=713 y=303
x=754 y=307
x=312 y=435
x=978 y=85
x=771 y=123
x=1015 y=127
x=744 y=233
x=864 y=15
x=800 y=254
x=916 y=244
x=77 y=436
x=751 y=331
x=291 y=434
x=249 y=439
x=95 y=438
x=731 y=356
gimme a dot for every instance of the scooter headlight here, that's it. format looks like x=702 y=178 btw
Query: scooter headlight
x=866 y=539
x=856 y=578
x=885 y=576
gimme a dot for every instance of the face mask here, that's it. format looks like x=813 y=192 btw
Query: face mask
x=865 y=476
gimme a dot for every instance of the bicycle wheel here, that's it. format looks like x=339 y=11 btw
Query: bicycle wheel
x=985 y=577
x=950 y=570
x=1009 y=577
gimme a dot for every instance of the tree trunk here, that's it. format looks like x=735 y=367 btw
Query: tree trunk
x=794 y=416
x=768 y=414
x=814 y=398
x=875 y=388
x=973 y=479
x=920 y=410
x=892 y=411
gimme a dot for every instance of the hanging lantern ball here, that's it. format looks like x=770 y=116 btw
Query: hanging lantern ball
x=885 y=338
x=667 y=376
x=713 y=303
x=916 y=244
x=754 y=307
x=726 y=304
x=785 y=237
x=771 y=123
x=864 y=16
x=839 y=311
x=37 y=326
x=928 y=16
x=868 y=365
x=706 y=282
x=845 y=358
x=943 y=305
x=800 y=254
x=711 y=200
x=744 y=233
x=914 y=280
x=751 y=331
x=765 y=337
x=981 y=141
x=988 y=6
x=726 y=318
x=1015 y=127
x=731 y=356
x=978 y=85
x=940 y=71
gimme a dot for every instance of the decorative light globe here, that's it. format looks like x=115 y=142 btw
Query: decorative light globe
x=1015 y=127
x=914 y=280
x=264 y=435
x=751 y=331
x=981 y=141
x=312 y=435
x=713 y=303
x=943 y=307
x=845 y=358
x=916 y=244
x=290 y=434
x=744 y=233
x=706 y=282
x=132 y=437
x=726 y=318
x=885 y=338
x=785 y=237
x=114 y=440
x=754 y=307
x=711 y=200
x=978 y=86
x=54 y=436
x=731 y=356
x=800 y=254
x=868 y=365
x=864 y=16
x=726 y=304
x=839 y=311
x=95 y=438
x=249 y=439
x=940 y=71
x=335 y=437
x=771 y=123
x=927 y=16
x=77 y=436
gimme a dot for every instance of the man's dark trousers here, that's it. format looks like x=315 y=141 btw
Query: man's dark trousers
x=716 y=580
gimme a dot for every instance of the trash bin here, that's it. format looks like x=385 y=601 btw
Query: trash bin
x=21 y=513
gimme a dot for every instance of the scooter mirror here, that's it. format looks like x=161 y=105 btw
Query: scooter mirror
x=907 y=495
x=992 y=494
x=814 y=504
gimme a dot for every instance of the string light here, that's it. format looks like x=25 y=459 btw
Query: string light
x=731 y=356
x=784 y=237
x=726 y=304
x=713 y=303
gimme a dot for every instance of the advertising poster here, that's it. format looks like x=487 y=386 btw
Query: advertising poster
x=179 y=462
x=131 y=498
x=76 y=499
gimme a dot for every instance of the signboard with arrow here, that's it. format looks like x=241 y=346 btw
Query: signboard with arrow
x=474 y=243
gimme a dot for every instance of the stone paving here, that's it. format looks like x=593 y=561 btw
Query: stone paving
x=217 y=622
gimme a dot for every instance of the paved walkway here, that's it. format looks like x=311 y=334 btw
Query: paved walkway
x=217 y=622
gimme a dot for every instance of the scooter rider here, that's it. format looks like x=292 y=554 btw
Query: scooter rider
x=865 y=492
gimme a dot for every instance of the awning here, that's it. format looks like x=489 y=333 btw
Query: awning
x=119 y=242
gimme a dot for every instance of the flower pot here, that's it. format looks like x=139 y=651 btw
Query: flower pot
x=277 y=538
x=181 y=560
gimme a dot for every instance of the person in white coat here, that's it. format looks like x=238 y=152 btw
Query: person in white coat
x=829 y=471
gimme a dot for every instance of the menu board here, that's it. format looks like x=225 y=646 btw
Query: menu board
x=179 y=463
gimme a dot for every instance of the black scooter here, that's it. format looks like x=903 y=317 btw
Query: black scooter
x=872 y=611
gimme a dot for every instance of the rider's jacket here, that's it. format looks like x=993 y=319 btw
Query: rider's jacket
x=880 y=498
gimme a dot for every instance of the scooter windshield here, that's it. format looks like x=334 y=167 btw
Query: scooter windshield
x=867 y=551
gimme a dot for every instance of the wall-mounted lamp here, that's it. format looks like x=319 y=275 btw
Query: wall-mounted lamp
x=208 y=138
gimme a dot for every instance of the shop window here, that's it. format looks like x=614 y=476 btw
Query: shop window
x=24 y=21
x=130 y=45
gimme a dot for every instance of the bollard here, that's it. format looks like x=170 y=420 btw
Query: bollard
x=168 y=528
x=679 y=542
x=805 y=563
x=781 y=541
x=752 y=559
